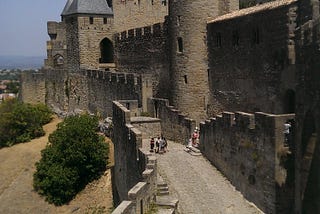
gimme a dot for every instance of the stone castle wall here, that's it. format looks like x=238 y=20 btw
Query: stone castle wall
x=144 y=51
x=134 y=180
x=307 y=195
x=104 y=87
x=33 y=89
x=87 y=90
x=251 y=59
x=130 y=14
x=175 y=126
x=249 y=150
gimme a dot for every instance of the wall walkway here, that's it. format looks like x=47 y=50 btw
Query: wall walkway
x=198 y=185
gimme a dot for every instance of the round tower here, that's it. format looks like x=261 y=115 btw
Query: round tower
x=89 y=33
x=188 y=52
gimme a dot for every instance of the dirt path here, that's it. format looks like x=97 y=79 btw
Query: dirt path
x=17 y=165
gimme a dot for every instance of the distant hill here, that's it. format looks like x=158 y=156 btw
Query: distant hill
x=21 y=62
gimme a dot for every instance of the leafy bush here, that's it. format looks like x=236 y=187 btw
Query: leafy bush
x=75 y=156
x=20 y=122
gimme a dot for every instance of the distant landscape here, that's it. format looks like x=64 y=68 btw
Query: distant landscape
x=21 y=62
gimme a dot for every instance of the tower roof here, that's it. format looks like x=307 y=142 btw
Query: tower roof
x=99 y=7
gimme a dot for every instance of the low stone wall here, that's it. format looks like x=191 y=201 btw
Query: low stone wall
x=149 y=127
x=174 y=125
x=250 y=150
x=135 y=172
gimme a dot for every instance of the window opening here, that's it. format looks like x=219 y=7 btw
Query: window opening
x=180 y=45
x=218 y=40
x=185 y=79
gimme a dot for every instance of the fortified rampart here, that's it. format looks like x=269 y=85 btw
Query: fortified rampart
x=87 y=90
x=174 y=125
x=135 y=171
x=33 y=88
x=250 y=150
x=252 y=60
x=144 y=51
x=130 y=14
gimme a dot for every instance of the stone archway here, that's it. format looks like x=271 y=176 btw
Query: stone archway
x=106 y=51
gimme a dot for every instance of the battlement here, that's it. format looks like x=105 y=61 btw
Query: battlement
x=249 y=151
x=113 y=77
x=136 y=33
x=134 y=181
x=176 y=126
x=243 y=121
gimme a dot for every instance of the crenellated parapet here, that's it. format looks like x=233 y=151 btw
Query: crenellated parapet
x=251 y=151
x=135 y=172
x=175 y=126
x=113 y=77
x=136 y=33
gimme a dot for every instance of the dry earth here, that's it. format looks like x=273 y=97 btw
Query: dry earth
x=17 y=165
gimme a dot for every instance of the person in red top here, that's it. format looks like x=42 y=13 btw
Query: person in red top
x=195 y=137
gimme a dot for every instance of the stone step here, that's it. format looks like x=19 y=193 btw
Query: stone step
x=165 y=211
x=167 y=202
x=191 y=152
x=163 y=188
x=161 y=184
x=160 y=193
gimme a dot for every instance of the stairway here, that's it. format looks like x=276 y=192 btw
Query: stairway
x=165 y=203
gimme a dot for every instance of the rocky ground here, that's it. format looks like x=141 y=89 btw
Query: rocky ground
x=17 y=165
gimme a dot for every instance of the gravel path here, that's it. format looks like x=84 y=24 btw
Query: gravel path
x=199 y=186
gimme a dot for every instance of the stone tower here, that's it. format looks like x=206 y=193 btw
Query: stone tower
x=188 y=52
x=136 y=13
x=89 y=30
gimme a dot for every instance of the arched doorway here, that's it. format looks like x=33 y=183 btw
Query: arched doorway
x=289 y=101
x=106 y=51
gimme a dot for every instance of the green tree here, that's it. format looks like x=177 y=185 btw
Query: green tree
x=21 y=122
x=75 y=156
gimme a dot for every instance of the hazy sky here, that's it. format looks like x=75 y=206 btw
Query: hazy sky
x=23 y=25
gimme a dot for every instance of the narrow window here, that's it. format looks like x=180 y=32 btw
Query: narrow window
x=256 y=36
x=91 y=20
x=218 y=40
x=185 y=79
x=152 y=2
x=178 y=20
x=235 y=38
x=180 y=45
x=164 y=2
x=105 y=21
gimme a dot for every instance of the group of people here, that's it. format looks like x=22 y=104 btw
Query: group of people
x=158 y=145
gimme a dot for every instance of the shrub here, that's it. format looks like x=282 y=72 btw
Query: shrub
x=20 y=122
x=75 y=156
